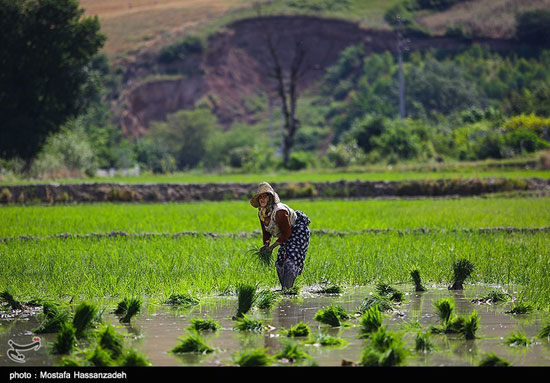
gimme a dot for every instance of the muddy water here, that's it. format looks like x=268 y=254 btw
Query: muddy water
x=157 y=329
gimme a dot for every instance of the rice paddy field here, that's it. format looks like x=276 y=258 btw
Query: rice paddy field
x=104 y=253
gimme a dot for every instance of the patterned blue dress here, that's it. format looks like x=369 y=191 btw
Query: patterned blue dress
x=292 y=253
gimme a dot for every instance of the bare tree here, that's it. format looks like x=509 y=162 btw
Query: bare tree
x=286 y=79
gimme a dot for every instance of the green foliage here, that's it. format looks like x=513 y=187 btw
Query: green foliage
x=493 y=360
x=422 y=342
x=245 y=323
x=262 y=254
x=415 y=276
x=300 y=329
x=533 y=27
x=65 y=340
x=128 y=308
x=192 y=343
x=132 y=358
x=392 y=293
x=178 y=50
x=291 y=351
x=246 y=295
x=204 y=325
x=54 y=318
x=84 y=314
x=452 y=324
x=182 y=300
x=462 y=269
x=384 y=303
x=253 y=357
x=471 y=325
x=518 y=338
x=266 y=299
x=99 y=357
x=185 y=135
x=326 y=340
x=331 y=315
x=384 y=349
x=370 y=321
x=332 y=289
x=445 y=309
x=520 y=308
x=111 y=341
x=44 y=73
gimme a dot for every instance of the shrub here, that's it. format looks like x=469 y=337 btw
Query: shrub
x=177 y=51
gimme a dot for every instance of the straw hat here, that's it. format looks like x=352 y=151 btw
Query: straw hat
x=264 y=187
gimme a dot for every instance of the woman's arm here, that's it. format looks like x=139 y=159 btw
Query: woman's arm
x=283 y=221
x=265 y=234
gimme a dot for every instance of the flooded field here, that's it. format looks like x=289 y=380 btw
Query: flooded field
x=157 y=329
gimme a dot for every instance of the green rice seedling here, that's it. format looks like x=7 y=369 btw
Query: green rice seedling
x=266 y=299
x=327 y=340
x=462 y=269
x=331 y=315
x=84 y=315
x=246 y=324
x=333 y=289
x=422 y=342
x=68 y=361
x=383 y=302
x=99 y=357
x=10 y=300
x=492 y=360
x=471 y=325
x=53 y=319
x=445 y=309
x=298 y=330
x=412 y=325
x=204 y=325
x=520 y=308
x=496 y=296
x=545 y=331
x=65 y=341
x=132 y=358
x=128 y=308
x=415 y=276
x=262 y=254
x=517 y=339
x=253 y=357
x=246 y=295
x=291 y=351
x=111 y=341
x=182 y=300
x=384 y=349
x=294 y=290
x=370 y=321
x=192 y=343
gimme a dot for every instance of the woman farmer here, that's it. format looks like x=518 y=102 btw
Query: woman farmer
x=291 y=229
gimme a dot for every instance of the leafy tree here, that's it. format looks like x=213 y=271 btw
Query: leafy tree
x=44 y=74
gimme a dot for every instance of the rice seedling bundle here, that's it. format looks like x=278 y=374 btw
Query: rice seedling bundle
x=386 y=290
x=245 y=323
x=192 y=343
x=246 y=295
x=422 y=342
x=65 y=340
x=333 y=289
x=415 y=276
x=544 y=332
x=198 y=325
x=132 y=358
x=291 y=351
x=298 y=330
x=370 y=321
x=492 y=360
x=262 y=254
x=518 y=339
x=384 y=349
x=83 y=317
x=327 y=340
x=382 y=302
x=520 y=308
x=462 y=269
x=99 y=357
x=111 y=341
x=127 y=309
x=10 y=300
x=182 y=300
x=266 y=299
x=253 y=357
x=53 y=319
x=331 y=315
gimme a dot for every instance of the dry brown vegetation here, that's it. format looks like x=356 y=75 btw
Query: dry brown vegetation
x=483 y=18
x=131 y=25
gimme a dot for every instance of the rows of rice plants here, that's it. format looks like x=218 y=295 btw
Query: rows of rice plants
x=156 y=267
x=239 y=216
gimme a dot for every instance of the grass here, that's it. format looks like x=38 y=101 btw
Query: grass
x=182 y=300
x=493 y=360
x=245 y=323
x=238 y=216
x=266 y=299
x=291 y=351
x=199 y=325
x=246 y=295
x=462 y=269
x=517 y=339
x=327 y=340
x=332 y=315
x=128 y=308
x=384 y=349
x=253 y=357
x=153 y=267
x=10 y=300
x=370 y=321
x=298 y=330
x=192 y=343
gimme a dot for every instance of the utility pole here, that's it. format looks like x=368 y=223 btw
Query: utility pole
x=401 y=46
